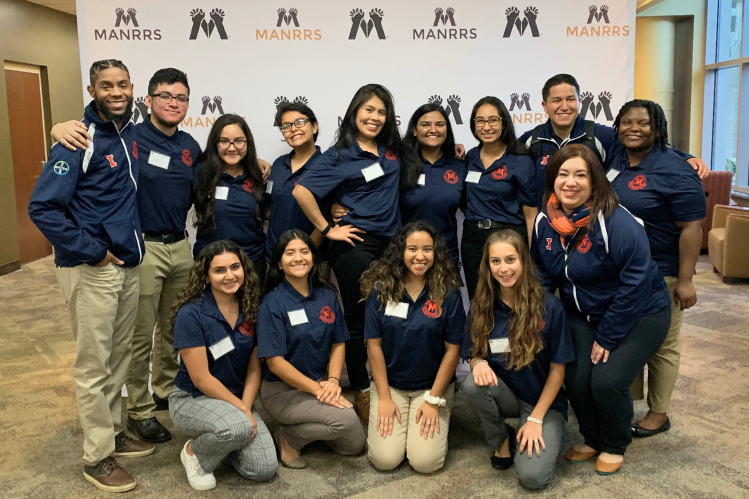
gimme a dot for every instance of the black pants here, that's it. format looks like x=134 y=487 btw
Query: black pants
x=472 y=248
x=599 y=393
x=349 y=263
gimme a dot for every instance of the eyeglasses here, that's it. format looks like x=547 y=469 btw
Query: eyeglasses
x=299 y=123
x=493 y=122
x=166 y=98
x=237 y=143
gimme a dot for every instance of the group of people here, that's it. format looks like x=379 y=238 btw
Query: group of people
x=579 y=243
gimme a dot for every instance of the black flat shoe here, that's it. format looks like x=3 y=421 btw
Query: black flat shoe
x=640 y=432
x=503 y=463
x=161 y=404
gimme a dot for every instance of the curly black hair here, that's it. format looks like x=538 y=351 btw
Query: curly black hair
x=657 y=119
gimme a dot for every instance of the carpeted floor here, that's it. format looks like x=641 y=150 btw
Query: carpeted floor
x=705 y=455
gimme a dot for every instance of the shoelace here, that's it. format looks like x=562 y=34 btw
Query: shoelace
x=111 y=464
x=195 y=464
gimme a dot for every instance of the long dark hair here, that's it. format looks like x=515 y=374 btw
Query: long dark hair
x=318 y=274
x=658 y=121
x=508 y=129
x=212 y=167
x=412 y=143
x=389 y=136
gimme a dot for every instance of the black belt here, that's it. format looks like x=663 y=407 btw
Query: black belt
x=166 y=238
x=489 y=224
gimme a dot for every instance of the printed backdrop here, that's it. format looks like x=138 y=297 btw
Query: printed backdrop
x=247 y=56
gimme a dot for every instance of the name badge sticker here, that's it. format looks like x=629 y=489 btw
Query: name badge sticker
x=372 y=172
x=612 y=174
x=473 y=177
x=397 y=310
x=422 y=179
x=159 y=160
x=269 y=187
x=221 y=348
x=499 y=345
x=297 y=317
x=222 y=192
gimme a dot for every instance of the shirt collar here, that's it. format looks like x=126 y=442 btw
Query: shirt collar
x=437 y=164
x=293 y=295
x=647 y=163
x=209 y=307
x=152 y=129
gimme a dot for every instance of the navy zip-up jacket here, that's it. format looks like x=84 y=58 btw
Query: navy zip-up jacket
x=605 y=273
x=84 y=201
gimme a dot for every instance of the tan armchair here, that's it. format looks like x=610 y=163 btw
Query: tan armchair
x=728 y=241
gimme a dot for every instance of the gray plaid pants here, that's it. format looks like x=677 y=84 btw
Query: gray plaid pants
x=223 y=430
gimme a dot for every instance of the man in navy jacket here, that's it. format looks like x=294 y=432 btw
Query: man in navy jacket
x=84 y=203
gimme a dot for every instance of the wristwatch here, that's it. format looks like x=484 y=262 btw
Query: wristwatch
x=438 y=401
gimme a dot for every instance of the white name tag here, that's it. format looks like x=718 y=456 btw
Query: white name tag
x=298 y=317
x=222 y=192
x=499 y=345
x=269 y=186
x=158 y=159
x=422 y=179
x=397 y=310
x=372 y=172
x=612 y=174
x=221 y=348
x=473 y=177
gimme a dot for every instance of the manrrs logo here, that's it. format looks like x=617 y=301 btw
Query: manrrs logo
x=140 y=113
x=123 y=22
x=211 y=108
x=598 y=15
x=359 y=24
x=443 y=28
x=452 y=107
x=530 y=15
x=215 y=22
x=280 y=100
x=588 y=103
x=287 y=22
x=520 y=108
x=594 y=26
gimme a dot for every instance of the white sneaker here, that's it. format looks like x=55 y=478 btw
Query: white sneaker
x=199 y=479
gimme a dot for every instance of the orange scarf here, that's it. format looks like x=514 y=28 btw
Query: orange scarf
x=566 y=226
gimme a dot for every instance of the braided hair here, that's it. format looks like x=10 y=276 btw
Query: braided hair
x=657 y=119
x=99 y=66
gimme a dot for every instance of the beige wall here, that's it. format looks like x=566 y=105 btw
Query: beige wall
x=36 y=35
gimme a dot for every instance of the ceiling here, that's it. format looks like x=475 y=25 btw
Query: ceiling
x=61 y=5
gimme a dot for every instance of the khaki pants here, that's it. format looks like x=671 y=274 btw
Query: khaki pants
x=663 y=367
x=102 y=303
x=163 y=275
x=424 y=455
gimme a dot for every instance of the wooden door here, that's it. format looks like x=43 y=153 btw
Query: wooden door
x=29 y=151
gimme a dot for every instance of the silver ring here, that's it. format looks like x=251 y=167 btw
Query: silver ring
x=429 y=421
x=382 y=419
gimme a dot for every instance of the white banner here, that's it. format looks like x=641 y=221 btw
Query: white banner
x=247 y=56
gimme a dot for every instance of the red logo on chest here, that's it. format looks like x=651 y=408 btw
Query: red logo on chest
x=542 y=325
x=110 y=158
x=545 y=160
x=186 y=157
x=247 y=328
x=430 y=309
x=584 y=244
x=451 y=177
x=390 y=155
x=637 y=183
x=499 y=173
x=548 y=243
x=135 y=150
x=248 y=185
x=327 y=315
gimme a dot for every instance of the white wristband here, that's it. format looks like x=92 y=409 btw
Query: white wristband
x=535 y=420
x=438 y=401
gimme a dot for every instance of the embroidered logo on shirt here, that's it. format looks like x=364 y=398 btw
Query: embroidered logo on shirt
x=110 y=158
x=430 y=309
x=637 y=183
x=545 y=160
x=135 y=150
x=389 y=155
x=247 y=328
x=548 y=243
x=499 y=173
x=584 y=244
x=451 y=177
x=327 y=315
x=248 y=184
x=542 y=325
x=61 y=168
x=186 y=157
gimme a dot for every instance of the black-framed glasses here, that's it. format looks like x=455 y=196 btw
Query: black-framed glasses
x=166 y=98
x=238 y=144
x=299 y=123
x=493 y=122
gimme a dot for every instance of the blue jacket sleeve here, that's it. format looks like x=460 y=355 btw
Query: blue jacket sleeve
x=543 y=276
x=527 y=135
x=49 y=201
x=611 y=146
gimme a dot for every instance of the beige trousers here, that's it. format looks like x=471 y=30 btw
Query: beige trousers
x=663 y=367
x=163 y=274
x=424 y=455
x=102 y=303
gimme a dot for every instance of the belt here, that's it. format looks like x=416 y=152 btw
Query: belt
x=489 y=224
x=166 y=238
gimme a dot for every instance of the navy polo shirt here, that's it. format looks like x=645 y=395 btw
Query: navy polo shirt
x=662 y=190
x=236 y=218
x=414 y=346
x=164 y=178
x=528 y=383
x=438 y=199
x=503 y=189
x=201 y=324
x=305 y=345
x=373 y=204
x=285 y=212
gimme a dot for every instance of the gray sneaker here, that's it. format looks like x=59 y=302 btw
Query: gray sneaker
x=109 y=476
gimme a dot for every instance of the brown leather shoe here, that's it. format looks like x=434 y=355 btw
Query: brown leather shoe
x=361 y=406
x=109 y=476
x=604 y=468
x=124 y=446
x=576 y=456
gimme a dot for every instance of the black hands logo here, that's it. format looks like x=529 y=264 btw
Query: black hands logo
x=452 y=107
x=141 y=110
x=280 y=100
x=212 y=106
x=604 y=104
x=216 y=21
x=125 y=18
x=288 y=18
x=529 y=20
x=598 y=13
x=449 y=16
x=375 y=21
x=518 y=102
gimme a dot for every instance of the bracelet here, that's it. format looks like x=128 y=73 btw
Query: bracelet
x=333 y=377
x=478 y=362
x=325 y=231
x=535 y=420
